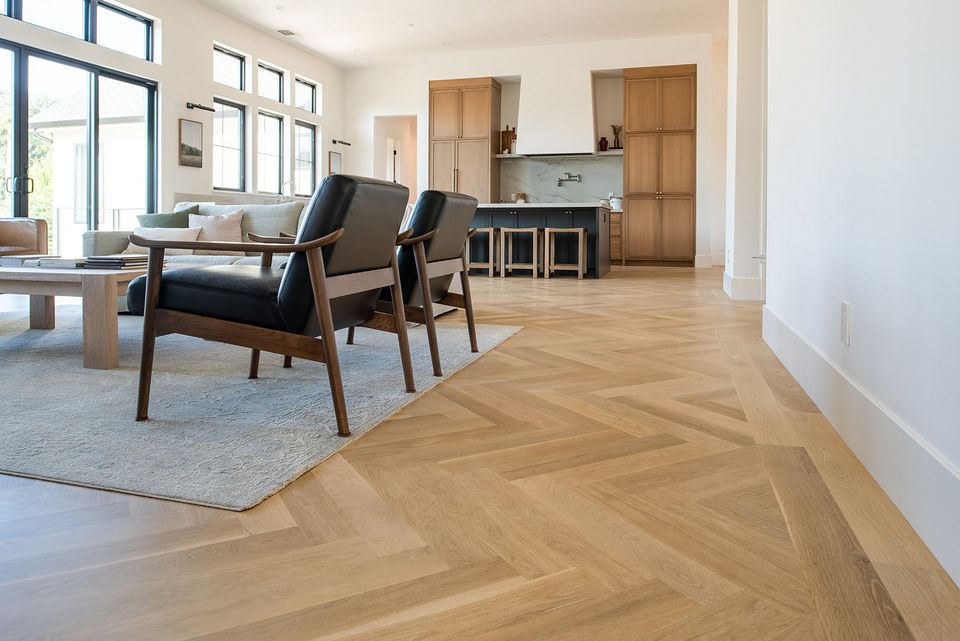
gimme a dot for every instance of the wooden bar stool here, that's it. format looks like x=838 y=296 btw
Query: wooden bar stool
x=491 y=263
x=507 y=263
x=550 y=248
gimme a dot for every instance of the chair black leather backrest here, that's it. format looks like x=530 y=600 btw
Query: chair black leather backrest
x=370 y=212
x=451 y=215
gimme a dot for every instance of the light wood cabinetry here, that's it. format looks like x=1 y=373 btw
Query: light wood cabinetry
x=464 y=136
x=616 y=236
x=660 y=164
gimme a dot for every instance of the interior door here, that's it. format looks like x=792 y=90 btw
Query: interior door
x=642 y=105
x=678 y=103
x=678 y=163
x=642 y=164
x=445 y=113
x=443 y=163
x=641 y=228
x=473 y=169
x=677 y=229
x=475 y=113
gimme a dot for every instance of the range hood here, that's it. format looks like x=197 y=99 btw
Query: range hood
x=555 y=117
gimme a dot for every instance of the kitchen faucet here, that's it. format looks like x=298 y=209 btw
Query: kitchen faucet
x=280 y=196
x=568 y=177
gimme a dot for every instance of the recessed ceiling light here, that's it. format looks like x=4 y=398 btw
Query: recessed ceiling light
x=446 y=44
x=411 y=25
x=544 y=36
x=286 y=32
x=356 y=51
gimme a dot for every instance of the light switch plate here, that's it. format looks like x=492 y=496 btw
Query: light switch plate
x=846 y=319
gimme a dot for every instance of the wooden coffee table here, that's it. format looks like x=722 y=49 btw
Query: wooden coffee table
x=99 y=289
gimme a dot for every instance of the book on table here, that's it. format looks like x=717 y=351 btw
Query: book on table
x=62 y=263
x=117 y=261
x=24 y=260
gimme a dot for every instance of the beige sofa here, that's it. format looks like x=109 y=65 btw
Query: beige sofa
x=266 y=219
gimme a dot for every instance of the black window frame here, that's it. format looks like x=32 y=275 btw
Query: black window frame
x=243 y=66
x=281 y=77
x=243 y=144
x=279 y=118
x=21 y=149
x=314 y=157
x=15 y=11
x=313 y=94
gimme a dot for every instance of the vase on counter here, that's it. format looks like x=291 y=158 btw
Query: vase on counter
x=604 y=144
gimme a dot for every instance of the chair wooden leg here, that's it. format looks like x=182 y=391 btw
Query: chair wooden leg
x=468 y=307
x=350 y=334
x=548 y=251
x=400 y=317
x=491 y=253
x=420 y=256
x=536 y=254
x=288 y=362
x=154 y=274
x=503 y=259
x=318 y=280
x=254 y=363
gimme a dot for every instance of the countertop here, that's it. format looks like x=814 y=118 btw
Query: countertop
x=593 y=205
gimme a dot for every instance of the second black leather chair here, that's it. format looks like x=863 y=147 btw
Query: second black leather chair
x=429 y=260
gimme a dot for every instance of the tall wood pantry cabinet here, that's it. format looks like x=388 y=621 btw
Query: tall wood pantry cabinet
x=660 y=164
x=464 y=137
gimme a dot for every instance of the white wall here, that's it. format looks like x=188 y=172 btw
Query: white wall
x=399 y=90
x=863 y=140
x=403 y=130
x=186 y=31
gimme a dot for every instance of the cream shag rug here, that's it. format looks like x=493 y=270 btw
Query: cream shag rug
x=215 y=438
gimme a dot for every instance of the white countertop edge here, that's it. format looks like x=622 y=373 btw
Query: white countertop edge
x=540 y=205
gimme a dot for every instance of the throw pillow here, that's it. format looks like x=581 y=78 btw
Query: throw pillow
x=163 y=233
x=223 y=228
x=178 y=219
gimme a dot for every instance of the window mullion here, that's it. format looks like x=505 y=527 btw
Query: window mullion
x=90 y=28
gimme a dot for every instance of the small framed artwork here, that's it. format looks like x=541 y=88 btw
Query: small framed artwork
x=335 y=162
x=191 y=143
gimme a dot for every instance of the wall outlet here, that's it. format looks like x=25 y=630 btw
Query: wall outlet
x=846 y=320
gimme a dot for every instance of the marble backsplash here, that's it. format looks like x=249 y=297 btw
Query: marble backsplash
x=538 y=178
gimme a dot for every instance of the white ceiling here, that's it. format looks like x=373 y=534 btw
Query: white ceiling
x=363 y=33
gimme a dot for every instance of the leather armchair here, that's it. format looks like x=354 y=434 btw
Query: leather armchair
x=19 y=236
x=342 y=256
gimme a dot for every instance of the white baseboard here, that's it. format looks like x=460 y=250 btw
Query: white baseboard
x=742 y=288
x=920 y=480
x=708 y=260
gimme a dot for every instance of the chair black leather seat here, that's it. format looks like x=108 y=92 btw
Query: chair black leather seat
x=240 y=293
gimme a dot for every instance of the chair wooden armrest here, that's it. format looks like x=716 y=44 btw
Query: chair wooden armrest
x=284 y=234
x=281 y=247
x=286 y=240
x=404 y=235
x=416 y=240
x=471 y=232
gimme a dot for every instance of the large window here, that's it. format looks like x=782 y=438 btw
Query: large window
x=269 y=153
x=77 y=145
x=305 y=158
x=229 y=150
x=228 y=68
x=305 y=95
x=270 y=83
x=95 y=21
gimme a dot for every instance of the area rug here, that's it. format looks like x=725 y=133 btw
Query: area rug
x=215 y=438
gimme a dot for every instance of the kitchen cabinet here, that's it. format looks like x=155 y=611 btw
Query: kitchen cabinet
x=616 y=236
x=464 y=137
x=660 y=165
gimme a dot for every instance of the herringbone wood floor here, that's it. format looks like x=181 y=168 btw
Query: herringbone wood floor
x=634 y=465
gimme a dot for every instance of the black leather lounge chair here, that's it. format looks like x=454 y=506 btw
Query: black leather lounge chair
x=341 y=258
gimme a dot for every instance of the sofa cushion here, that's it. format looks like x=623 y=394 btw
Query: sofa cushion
x=162 y=233
x=180 y=219
x=219 y=228
x=265 y=220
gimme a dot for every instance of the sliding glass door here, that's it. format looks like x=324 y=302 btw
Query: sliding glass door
x=77 y=145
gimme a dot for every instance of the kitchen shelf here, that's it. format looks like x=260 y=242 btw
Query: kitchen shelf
x=610 y=152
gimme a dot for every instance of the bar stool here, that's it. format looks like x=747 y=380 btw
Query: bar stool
x=506 y=250
x=550 y=248
x=491 y=263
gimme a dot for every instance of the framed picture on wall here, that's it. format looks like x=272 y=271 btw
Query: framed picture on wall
x=191 y=143
x=334 y=163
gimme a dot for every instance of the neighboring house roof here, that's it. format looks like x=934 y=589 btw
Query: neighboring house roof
x=124 y=105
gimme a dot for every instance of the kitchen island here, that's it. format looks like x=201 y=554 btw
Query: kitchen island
x=594 y=217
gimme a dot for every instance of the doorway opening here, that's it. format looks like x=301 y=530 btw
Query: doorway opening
x=395 y=151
